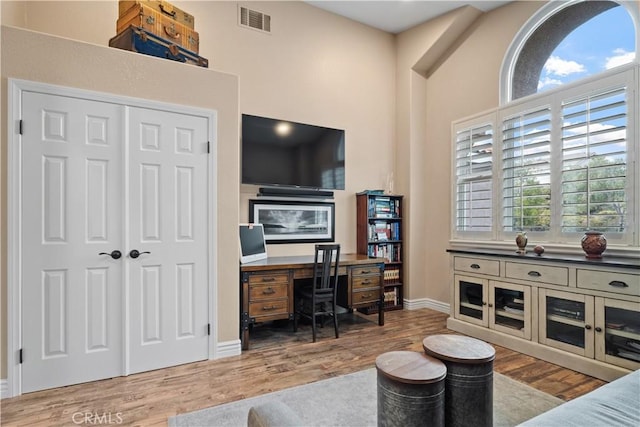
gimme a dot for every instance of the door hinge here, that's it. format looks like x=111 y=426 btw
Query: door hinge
x=208 y=147
x=208 y=328
x=20 y=356
x=20 y=127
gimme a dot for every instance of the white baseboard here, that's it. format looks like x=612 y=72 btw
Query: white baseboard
x=228 y=349
x=4 y=389
x=427 y=303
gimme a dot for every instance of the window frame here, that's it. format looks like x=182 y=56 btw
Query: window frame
x=545 y=13
x=629 y=240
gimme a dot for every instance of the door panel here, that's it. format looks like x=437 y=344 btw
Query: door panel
x=168 y=218
x=71 y=211
x=79 y=204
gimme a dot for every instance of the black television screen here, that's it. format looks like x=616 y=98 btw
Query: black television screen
x=285 y=153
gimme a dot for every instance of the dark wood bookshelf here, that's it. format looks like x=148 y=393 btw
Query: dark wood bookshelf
x=379 y=229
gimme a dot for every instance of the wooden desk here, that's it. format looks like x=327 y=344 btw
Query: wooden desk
x=267 y=287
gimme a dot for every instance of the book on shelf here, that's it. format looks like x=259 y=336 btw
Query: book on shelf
x=389 y=251
x=391 y=275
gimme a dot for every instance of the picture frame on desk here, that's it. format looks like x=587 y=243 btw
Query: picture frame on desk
x=294 y=221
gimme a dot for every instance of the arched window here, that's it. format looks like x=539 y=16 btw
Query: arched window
x=566 y=41
x=556 y=163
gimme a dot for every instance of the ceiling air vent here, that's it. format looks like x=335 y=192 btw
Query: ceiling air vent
x=254 y=19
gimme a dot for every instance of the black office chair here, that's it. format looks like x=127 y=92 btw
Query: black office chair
x=319 y=299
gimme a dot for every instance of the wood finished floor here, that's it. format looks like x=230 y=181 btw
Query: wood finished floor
x=278 y=359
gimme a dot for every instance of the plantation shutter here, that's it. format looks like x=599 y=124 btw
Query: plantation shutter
x=594 y=162
x=526 y=171
x=474 y=151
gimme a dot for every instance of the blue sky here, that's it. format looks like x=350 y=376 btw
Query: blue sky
x=605 y=41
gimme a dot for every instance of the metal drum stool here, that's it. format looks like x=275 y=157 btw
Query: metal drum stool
x=469 y=382
x=410 y=389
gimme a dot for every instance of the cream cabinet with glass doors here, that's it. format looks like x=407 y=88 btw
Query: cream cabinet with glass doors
x=574 y=312
x=500 y=306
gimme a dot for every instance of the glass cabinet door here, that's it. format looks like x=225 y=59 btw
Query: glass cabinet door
x=618 y=332
x=510 y=309
x=471 y=299
x=566 y=321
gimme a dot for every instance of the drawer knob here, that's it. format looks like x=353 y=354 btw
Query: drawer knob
x=268 y=291
x=587 y=327
x=475 y=266
x=598 y=329
x=365 y=296
x=618 y=284
x=269 y=308
x=366 y=282
x=534 y=274
x=268 y=279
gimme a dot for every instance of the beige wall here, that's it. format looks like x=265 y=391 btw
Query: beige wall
x=396 y=96
x=315 y=67
x=458 y=82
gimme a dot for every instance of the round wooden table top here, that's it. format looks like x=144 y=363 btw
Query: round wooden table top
x=458 y=348
x=411 y=367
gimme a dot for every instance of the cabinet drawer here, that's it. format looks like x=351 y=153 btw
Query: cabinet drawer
x=538 y=273
x=366 y=297
x=272 y=291
x=607 y=281
x=477 y=265
x=365 y=282
x=365 y=270
x=268 y=279
x=268 y=308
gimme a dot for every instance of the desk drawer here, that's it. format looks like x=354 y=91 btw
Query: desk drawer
x=268 y=308
x=268 y=279
x=366 y=297
x=365 y=270
x=538 y=273
x=265 y=292
x=477 y=265
x=365 y=282
x=608 y=281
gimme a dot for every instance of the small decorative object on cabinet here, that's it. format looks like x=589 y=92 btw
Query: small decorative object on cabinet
x=538 y=249
x=379 y=234
x=521 y=241
x=593 y=244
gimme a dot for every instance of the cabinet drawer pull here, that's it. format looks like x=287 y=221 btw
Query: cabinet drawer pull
x=534 y=274
x=269 y=308
x=618 y=284
x=268 y=291
x=365 y=272
x=366 y=282
x=475 y=266
x=268 y=279
x=587 y=327
x=598 y=329
x=366 y=296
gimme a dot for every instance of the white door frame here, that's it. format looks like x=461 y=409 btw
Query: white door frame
x=14 y=214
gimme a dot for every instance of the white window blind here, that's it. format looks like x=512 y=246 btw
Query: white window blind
x=526 y=171
x=594 y=162
x=474 y=164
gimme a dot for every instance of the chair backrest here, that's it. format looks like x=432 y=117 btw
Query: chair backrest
x=324 y=277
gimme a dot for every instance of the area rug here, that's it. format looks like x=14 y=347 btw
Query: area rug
x=352 y=400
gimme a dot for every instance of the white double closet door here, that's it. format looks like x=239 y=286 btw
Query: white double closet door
x=98 y=178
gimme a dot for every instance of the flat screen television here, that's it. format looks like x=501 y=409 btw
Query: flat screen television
x=285 y=153
x=252 y=243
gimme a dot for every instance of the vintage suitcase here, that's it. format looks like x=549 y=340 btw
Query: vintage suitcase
x=142 y=41
x=161 y=6
x=145 y=17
